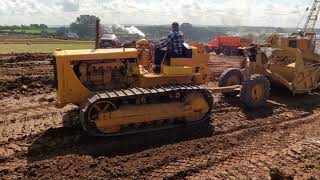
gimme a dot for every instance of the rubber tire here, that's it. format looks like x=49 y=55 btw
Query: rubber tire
x=247 y=86
x=224 y=79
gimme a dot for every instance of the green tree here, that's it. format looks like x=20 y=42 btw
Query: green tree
x=34 y=26
x=15 y=27
x=24 y=26
x=84 y=26
x=43 y=26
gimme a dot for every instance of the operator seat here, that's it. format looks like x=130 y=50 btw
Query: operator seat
x=185 y=59
x=186 y=50
x=181 y=65
x=186 y=53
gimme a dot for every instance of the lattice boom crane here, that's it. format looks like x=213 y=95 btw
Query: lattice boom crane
x=312 y=17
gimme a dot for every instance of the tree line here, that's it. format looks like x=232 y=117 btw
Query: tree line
x=84 y=26
x=31 y=26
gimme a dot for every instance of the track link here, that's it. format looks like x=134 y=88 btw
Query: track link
x=138 y=93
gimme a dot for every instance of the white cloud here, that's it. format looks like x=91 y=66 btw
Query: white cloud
x=70 y=5
x=204 y=12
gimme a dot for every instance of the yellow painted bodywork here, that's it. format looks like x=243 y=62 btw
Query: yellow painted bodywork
x=153 y=80
x=194 y=108
x=258 y=92
x=286 y=71
x=181 y=71
x=70 y=89
x=300 y=76
x=177 y=70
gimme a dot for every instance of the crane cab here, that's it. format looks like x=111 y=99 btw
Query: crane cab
x=303 y=42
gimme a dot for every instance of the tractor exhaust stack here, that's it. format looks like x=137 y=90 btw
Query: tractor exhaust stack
x=97 y=33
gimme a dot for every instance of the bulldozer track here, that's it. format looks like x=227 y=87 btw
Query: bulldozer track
x=140 y=92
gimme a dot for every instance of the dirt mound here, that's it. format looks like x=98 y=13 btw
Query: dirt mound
x=26 y=85
x=29 y=56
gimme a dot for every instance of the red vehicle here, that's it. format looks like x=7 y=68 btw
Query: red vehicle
x=228 y=45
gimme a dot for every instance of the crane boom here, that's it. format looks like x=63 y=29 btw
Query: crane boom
x=312 y=17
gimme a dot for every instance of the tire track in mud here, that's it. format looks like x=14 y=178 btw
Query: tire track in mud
x=229 y=117
x=300 y=161
x=27 y=119
x=234 y=121
x=24 y=123
x=226 y=119
x=162 y=166
x=247 y=159
x=177 y=160
x=264 y=161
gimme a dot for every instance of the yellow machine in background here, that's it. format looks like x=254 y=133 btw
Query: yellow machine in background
x=298 y=71
x=293 y=62
x=118 y=93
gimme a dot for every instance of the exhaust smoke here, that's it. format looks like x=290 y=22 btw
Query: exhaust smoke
x=131 y=30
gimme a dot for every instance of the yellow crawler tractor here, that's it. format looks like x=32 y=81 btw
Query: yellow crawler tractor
x=118 y=92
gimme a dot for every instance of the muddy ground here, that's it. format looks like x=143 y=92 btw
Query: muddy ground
x=38 y=141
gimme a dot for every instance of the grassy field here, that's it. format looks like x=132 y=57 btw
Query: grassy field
x=26 y=31
x=44 y=45
x=30 y=31
x=6 y=40
x=44 y=48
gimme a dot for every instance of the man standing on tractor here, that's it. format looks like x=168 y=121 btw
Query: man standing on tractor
x=171 y=46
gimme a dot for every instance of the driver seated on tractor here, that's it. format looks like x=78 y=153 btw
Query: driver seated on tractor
x=252 y=53
x=169 y=47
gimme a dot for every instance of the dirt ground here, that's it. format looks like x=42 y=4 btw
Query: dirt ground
x=38 y=141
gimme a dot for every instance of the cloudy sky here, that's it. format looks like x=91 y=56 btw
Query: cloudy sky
x=279 y=13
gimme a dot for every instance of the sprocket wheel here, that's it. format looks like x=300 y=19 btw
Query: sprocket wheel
x=95 y=116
